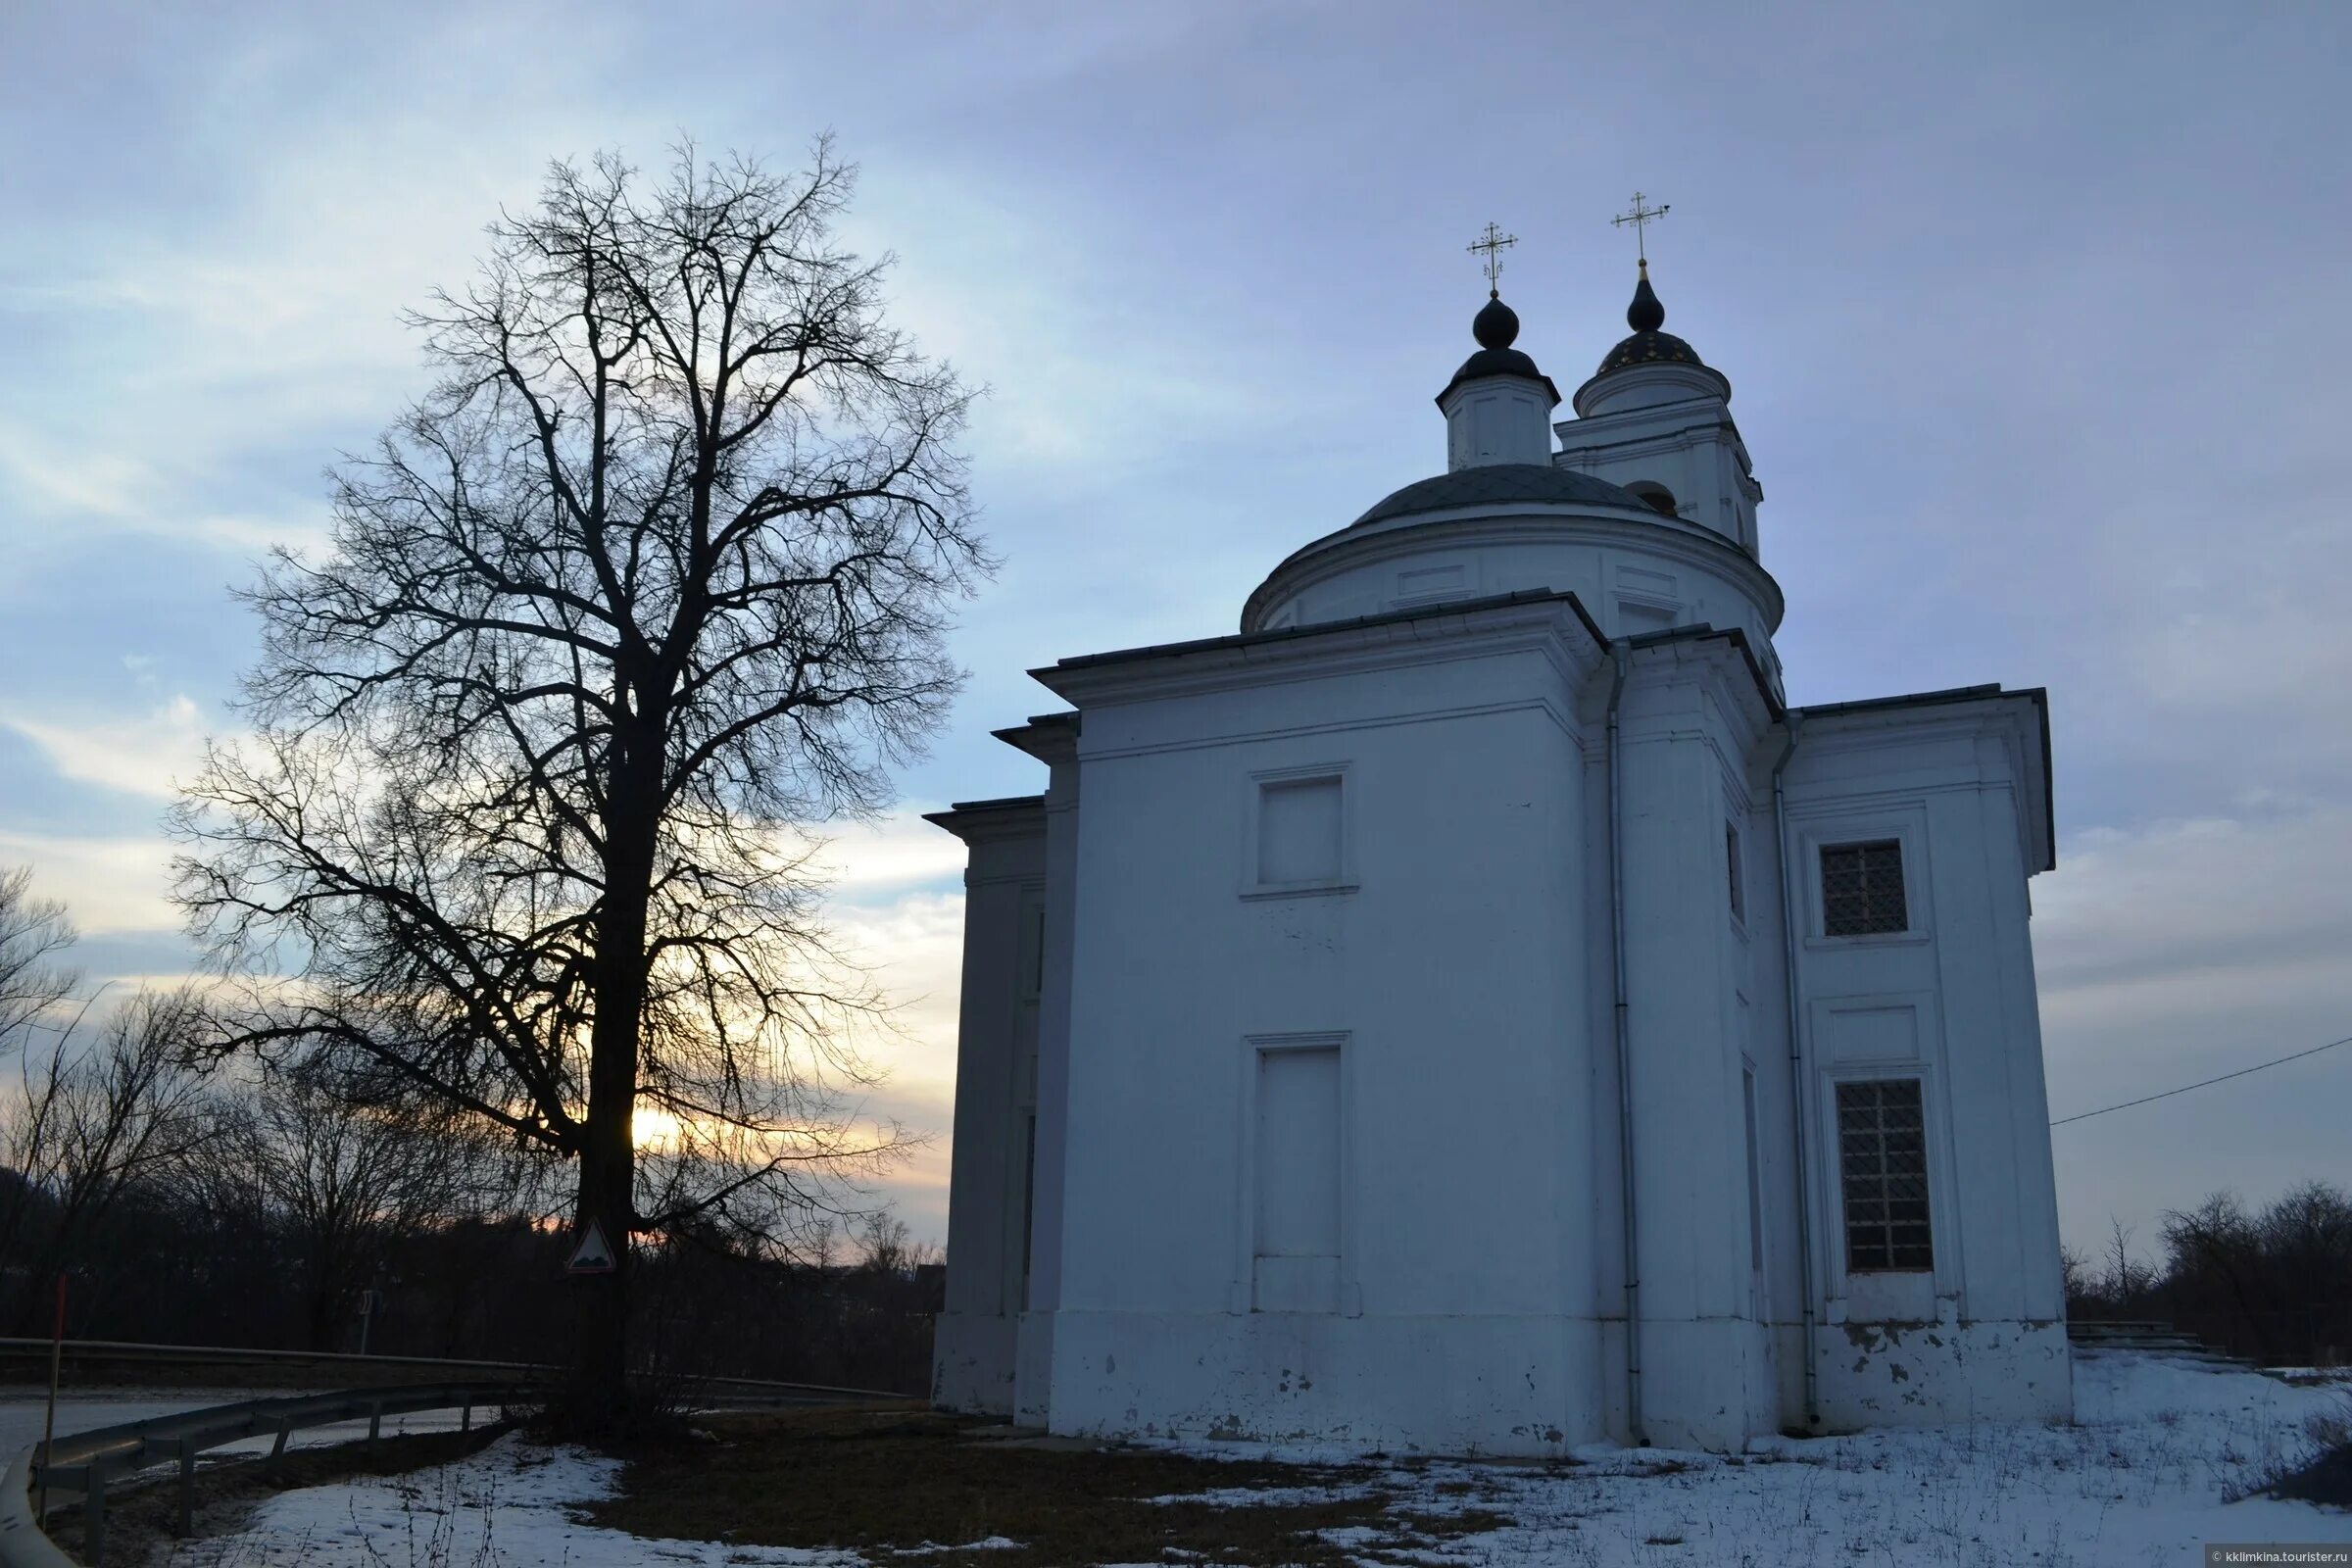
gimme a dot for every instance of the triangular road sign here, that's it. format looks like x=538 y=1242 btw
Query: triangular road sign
x=592 y=1254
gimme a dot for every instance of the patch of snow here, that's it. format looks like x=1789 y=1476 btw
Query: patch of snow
x=1264 y=1497
x=512 y=1504
x=2145 y=1473
x=988 y=1544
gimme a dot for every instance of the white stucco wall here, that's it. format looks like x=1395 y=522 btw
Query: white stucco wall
x=1447 y=966
x=1949 y=1000
x=996 y=1056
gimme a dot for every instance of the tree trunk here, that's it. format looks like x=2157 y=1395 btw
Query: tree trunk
x=599 y=1393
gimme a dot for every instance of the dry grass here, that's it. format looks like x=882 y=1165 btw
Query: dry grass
x=880 y=1481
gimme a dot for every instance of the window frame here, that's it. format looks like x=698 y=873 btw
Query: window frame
x=1243 y=1292
x=1862 y=848
x=1751 y=1117
x=1254 y=786
x=1820 y=829
x=1920 y=1077
x=1735 y=855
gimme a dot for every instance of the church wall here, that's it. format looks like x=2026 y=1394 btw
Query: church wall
x=1034 y=1341
x=1449 y=977
x=1781 y=1183
x=995 y=1054
x=1948 y=1002
x=1707 y=1375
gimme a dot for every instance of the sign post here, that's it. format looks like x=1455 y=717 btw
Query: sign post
x=57 y=1361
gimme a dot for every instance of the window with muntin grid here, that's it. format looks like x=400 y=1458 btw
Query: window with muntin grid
x=1862 y=889
x=1883 y=1164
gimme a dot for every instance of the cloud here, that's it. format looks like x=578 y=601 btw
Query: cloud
x=899 y=851
x=2180 y=951
x=109 y=885
x=100 y=482
x=150 y=755
x=914 y=946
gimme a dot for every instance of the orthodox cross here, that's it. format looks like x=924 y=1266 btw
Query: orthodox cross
x=1641 y=216
x=1492 y=244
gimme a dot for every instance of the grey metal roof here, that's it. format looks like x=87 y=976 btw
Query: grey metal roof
x=1499 y=483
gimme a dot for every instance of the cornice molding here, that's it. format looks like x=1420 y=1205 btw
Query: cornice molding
x=1553 y=626
x=991 y=821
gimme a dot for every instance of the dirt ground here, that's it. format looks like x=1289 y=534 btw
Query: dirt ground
x=907 y=1479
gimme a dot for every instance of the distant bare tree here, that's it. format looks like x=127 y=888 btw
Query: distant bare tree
x=112 y=1105
x=2127 y=1277
x=33 y=933
x=342 y=1183
x=885 y=1243
x=655 y=576
x=2275 y=1283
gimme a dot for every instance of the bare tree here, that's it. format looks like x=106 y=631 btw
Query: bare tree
x=342 y=1183
x=33 y=932
x=113 y=1105
x=2128 y=1277
x=657 y=575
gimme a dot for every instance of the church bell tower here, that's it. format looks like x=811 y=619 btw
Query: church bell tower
x=1656 y=420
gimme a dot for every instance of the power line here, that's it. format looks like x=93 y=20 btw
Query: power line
x=2207 y=1084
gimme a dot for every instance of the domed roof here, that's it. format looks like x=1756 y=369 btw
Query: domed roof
x=1649 y=345
x=1498 y=483
x=1496 y=327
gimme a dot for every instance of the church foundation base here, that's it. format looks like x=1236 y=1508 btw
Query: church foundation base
x=1033 y=1368
x=972 y=1363
x=1943 y=1374
x=1707 y=1384
x=1527 y=1386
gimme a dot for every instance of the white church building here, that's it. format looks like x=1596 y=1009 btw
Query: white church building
x=1469 y=1009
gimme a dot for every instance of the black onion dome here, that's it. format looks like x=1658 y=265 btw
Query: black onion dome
x=1645 y=313
x=1649 y=345
x=1501 y=484
x=1496 y=327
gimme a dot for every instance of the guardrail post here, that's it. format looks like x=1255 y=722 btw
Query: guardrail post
x=375 y=1422
x=277 y=1450
x=93 y=1518
x=187 y=1488
x=465 y=1417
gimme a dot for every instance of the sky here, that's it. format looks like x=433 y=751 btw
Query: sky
x=2036 y=316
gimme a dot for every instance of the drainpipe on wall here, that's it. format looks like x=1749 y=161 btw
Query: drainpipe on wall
x=1796 y=1074
x=1625 y=1057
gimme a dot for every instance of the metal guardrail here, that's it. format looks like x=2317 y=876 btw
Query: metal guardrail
x=83 y=1464
x=238 y=1355
x=198 y=1356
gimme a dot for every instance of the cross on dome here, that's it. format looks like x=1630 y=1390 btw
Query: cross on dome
x=1642 y=216
x=1493 y=243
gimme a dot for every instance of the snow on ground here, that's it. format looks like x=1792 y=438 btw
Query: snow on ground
x=512 y=1505
x=2146 y=1473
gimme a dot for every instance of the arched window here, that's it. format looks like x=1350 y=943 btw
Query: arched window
x=1654 y=496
